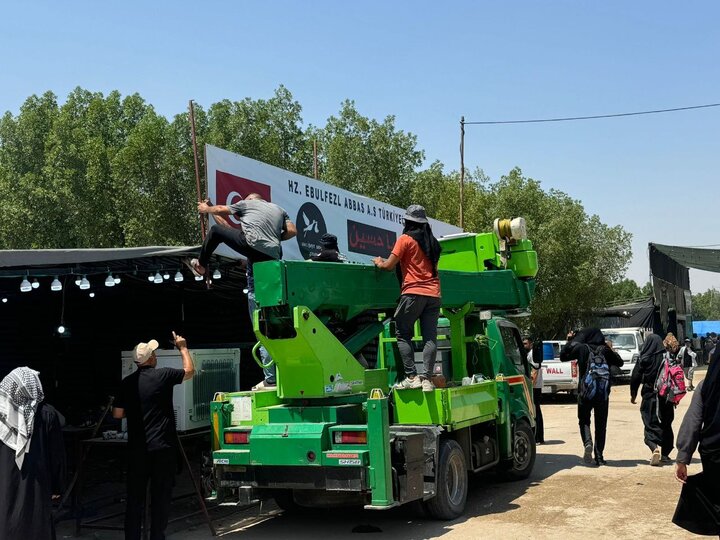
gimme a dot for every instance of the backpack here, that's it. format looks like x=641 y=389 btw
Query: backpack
x=596 y=383
x=670 y=384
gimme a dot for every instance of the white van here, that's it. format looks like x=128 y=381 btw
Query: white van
x=627 y=342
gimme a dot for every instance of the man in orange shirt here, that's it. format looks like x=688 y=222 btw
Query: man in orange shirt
x=418 y=252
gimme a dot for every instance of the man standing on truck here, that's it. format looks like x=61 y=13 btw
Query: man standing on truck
x=581 y=346
x=145 y=399
x=534 y=358
x=263 y=226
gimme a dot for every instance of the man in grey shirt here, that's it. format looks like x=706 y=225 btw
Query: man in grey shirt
x=263 y=226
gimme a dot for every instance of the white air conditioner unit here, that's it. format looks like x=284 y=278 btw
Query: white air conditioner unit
x=216 y=370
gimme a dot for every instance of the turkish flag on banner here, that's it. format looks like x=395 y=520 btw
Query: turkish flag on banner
x=231 y=189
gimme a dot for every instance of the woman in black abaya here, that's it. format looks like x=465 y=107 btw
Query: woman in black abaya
x=32 y=458
x=698 y=509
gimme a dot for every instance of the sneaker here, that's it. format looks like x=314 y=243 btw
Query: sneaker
x=427 y=386
x=587 y=455
x=408 y=383
x=665 y=459
x=264 y=385
x=194 y=266
x=655 y=458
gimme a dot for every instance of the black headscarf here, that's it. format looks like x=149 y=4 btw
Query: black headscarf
x=590 y=336
x=422 y=234
x=651 y=359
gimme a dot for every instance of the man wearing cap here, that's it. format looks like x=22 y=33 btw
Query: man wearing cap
x=330 y=251
x=145 y=399
x=688 y=357
x=417 y=252
x=263 y=227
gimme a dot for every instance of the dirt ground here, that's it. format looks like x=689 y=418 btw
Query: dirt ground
x=563 y=498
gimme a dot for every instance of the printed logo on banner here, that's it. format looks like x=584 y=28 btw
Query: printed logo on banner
x=311 y=226
x=231 y=189
x=369 y=240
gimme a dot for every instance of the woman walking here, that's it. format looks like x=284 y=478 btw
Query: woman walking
x=656 y=413
x=417 y=252
x=698 y=509
x=32 y=457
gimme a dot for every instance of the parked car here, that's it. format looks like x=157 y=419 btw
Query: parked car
x=558 y=376
x=627 y=342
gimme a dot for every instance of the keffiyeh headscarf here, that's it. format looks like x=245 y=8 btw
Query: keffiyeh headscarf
x=20 y=395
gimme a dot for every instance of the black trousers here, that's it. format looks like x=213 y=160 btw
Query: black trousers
x=657 y=419
x=235 y=240
x=600 y=410
x=158 y=467
x=539 y=425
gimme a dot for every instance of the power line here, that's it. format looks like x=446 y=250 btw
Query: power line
x=571 y=118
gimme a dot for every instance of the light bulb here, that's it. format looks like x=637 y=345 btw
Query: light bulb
x=151 y=277
x=179 y=277
x=109 y=281
x=78 y=281
x=35 y=284
x=166 y=275
x=158 y=278
x=91 y=295
x=4 y=300
x=61 y=329
x=84 y=284
x=198 y=278
x=116 y=279
x=217 y=274
x=56 y=285
x=25 y=285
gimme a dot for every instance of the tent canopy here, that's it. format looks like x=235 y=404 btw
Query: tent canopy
x=698 y=258
x=705 y=327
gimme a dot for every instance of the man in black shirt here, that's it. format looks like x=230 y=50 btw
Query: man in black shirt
x=145 y=399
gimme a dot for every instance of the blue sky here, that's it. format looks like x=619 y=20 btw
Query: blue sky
x=428 y=63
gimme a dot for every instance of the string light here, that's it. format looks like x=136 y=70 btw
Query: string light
x=78 y=281
x=166 y=275
x=217 y=274
x=198 y=278
x=117 y=280
x=91 y=295
x=151 y=277
x=109 y=281
x=25 y=285
x=56 y=285
x=61 y=329
x=84 y=284
x=4 y=300
x=158 y=278
x=179 y=277
x=35 y=284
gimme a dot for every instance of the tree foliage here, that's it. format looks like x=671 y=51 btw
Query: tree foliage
x=627 y=290
x=706 y=306
x=108 y=171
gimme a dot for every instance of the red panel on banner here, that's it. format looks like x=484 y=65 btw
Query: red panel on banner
x=230 y=188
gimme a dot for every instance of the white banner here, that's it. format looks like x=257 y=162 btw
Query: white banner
x=364 y=227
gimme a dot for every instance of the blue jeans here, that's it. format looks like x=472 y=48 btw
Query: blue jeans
x=264 y=355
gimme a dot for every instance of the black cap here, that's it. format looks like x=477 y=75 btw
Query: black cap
x=416 y=213
x=329 y=241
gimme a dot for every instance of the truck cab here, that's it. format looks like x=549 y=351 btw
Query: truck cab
x=628 y=343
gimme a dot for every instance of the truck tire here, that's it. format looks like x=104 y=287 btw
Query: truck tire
x=523 y=448
x=285 y=499
x=451 y=487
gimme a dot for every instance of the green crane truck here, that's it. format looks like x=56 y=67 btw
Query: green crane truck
x=334 y=432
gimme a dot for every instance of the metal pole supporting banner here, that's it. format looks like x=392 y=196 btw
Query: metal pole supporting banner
x=315 y=161
x=197 y=166
x=462 y=171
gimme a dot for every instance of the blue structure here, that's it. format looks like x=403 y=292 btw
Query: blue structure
x=704 y=327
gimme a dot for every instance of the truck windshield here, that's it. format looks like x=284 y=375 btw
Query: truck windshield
x=622 y=341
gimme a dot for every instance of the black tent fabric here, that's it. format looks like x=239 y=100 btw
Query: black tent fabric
x=632 y=315
x=698 y=258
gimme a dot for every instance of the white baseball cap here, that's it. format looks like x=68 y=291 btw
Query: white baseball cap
x=143 y=351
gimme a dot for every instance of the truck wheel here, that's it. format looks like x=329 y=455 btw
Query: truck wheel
x=451 y=483
x=285 y=499
x=523 y=448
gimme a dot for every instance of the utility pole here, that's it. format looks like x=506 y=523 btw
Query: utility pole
x=462 y=171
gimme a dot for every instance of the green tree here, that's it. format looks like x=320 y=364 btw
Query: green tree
x=706 y=305
x=627 y=290
x=369 y=157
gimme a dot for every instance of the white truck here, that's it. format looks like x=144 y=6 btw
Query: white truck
x=627 y=342
x=558 y=376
